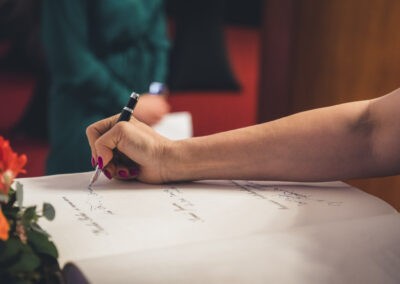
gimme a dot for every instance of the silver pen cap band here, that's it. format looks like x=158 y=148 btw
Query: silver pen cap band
x=128 y=109
x=134 y=95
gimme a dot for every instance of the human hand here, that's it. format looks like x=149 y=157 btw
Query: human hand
x=139 y=142
x=151 y=108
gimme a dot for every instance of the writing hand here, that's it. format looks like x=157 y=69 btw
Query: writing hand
x=135 y=140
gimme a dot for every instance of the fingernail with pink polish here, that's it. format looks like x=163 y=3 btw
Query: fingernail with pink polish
x=100 y=162
x=93 y=162
x=107 y=174
x=123 y=174
x=133 y=172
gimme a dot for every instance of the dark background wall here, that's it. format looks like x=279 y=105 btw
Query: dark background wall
x=318 y=53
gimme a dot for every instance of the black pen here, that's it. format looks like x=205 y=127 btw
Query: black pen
x=124 y=116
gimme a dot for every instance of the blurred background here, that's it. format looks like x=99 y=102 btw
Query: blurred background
x=232 y=64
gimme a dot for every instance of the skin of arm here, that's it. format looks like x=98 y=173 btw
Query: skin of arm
x=351 y=140
x=152 y=108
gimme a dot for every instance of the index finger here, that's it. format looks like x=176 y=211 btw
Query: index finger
x=97 y=129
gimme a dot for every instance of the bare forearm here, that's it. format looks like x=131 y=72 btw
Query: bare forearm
x=359 y=139
x=323 y=144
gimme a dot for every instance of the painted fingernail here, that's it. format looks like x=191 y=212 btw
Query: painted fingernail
x=107 y=174
x=133 y=171
x=123 y=173
x=100 y=162
x=93 y=162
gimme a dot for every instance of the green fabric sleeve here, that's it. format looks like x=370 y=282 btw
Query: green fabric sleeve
x=160 y=44
x=75 y=68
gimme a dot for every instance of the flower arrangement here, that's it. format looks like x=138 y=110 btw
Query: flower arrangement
x=27 y=255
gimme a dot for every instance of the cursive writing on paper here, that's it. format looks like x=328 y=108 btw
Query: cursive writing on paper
x=84 y=218
x=182 y=205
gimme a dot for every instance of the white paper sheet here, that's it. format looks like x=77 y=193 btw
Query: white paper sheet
x=175 y=126
x=128 y=218
x=353 y=251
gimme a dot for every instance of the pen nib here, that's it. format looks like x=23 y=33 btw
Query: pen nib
x=94 y=177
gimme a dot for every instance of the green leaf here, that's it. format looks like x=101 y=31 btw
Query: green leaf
x=19 y=194
x=48 y=211
x=2 y=247
x=41 y=244
x=12 y=198
x=11 y=213
x=37 y=228
x=29 y=215
x=9 y=250
x=18 y=258
x=27 y=262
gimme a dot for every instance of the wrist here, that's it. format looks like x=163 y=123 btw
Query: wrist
x=179 y=162
x=190 y=159
x=158 y=88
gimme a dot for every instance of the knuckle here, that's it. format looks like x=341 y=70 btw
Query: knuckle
x=97 y=144
x=89 y=131
x=122 y=126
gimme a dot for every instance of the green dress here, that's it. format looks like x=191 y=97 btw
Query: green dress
x=98 y=52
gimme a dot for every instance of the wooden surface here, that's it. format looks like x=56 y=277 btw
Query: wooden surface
x=340 y=51
x=276 y=58
x=345 y=50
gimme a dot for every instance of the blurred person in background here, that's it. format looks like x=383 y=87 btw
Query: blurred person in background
x=98 y=52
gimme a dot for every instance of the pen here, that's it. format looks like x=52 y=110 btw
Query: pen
x=124 y=116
